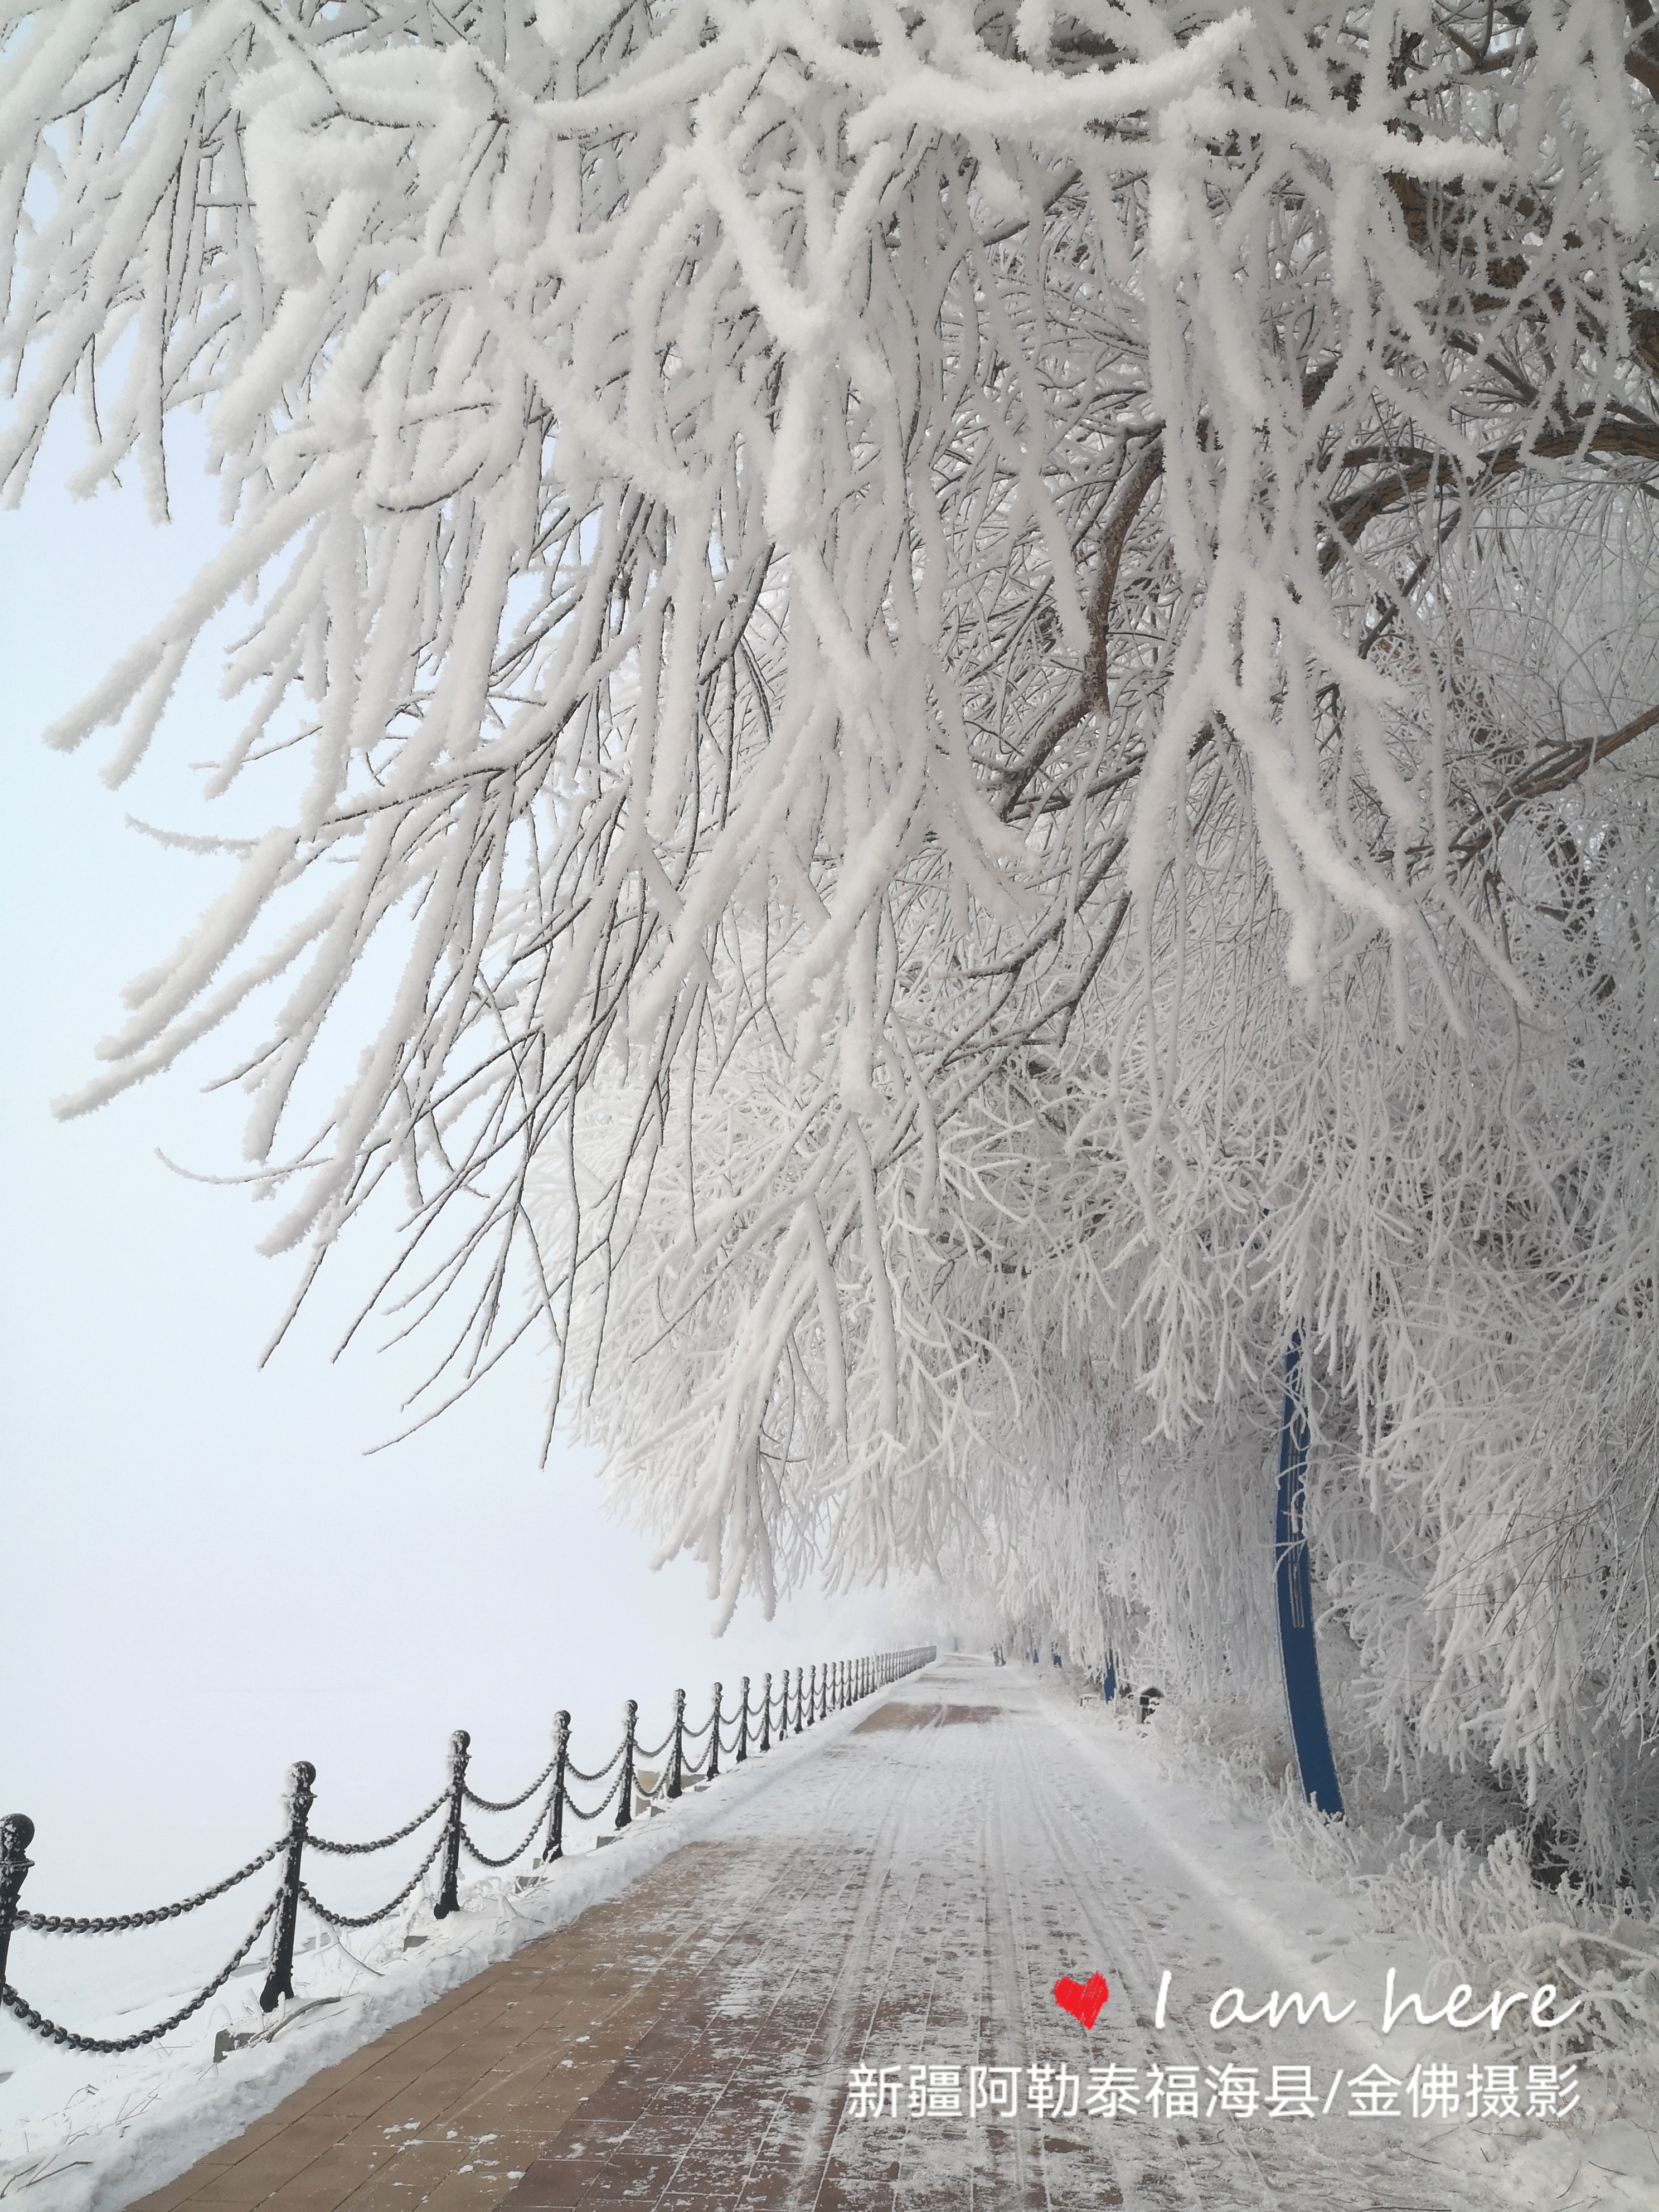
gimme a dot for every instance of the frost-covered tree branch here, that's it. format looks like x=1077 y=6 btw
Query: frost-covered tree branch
x=957 y=648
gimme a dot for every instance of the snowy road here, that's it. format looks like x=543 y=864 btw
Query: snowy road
x=905 y=1896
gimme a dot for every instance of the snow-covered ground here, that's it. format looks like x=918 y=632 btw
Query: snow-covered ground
x=79 y=2132
x=1024 y=1836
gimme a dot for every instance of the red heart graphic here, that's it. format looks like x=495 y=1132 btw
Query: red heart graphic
x=1083 y=1999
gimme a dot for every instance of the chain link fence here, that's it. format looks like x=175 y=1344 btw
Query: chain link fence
x=754 y=1724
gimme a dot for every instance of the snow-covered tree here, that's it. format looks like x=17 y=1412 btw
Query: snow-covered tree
x=992 y=672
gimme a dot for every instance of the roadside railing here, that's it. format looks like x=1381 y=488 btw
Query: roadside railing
x=693 y=1756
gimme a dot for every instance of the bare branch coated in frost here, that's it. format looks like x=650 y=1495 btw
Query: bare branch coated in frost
x=989 y=676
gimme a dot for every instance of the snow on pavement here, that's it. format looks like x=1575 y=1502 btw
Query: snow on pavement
x=913 y=1879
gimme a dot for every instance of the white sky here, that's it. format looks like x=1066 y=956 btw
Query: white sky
x=202 y=1577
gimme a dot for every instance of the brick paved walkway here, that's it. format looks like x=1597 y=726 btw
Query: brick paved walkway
x=448 y=2110
x=906 y=1894
x=675 y=2047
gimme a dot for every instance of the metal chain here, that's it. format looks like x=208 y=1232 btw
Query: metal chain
x=571 y=1766
x=52 y=2032
x=484 y=1858
x=55 y=1923
x=571 y=1806
x=356 y=1851
x=369 y=1919
x=511 y=1804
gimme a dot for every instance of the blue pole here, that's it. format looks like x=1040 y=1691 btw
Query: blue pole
x=1304 y=1706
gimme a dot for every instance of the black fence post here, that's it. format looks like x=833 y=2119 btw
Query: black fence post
x=813 y=1697
x=16 y=1834
x=766 y=1714
x=279 y=1982
x=625 y=1795
x=677 y=1747
x=448 y=1899
x=799 y=1694
x=715 y=1734
x=554 y=1848
x=742 y=1727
